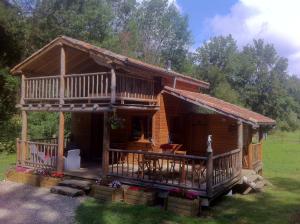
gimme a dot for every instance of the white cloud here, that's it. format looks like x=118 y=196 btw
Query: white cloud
x=276 y=21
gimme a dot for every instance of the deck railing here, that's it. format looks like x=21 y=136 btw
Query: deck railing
x=158 y=168
x=42 y=88
x=37 y=154
x=184 y=171
x=88 y=86
x=226 y=167
x=254 y=155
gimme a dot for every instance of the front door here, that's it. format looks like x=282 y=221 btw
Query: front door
x=96 y=137
x=199 y=132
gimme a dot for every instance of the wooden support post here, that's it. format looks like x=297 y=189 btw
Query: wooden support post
x=22 y=101
x=113 y=86
x=174 y=82
x=24 y=136
x=106 y=143
x=60 y=153
x=209 y=168
x=62 y=74
x=260 y=139
x=240 y=142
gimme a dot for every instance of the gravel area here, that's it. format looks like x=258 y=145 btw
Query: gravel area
x=25 y=204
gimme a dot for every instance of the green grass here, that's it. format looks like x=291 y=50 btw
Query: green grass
x=6 y=160
x=279 y=204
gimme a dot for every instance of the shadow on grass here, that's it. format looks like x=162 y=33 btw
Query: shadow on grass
x=278 y=204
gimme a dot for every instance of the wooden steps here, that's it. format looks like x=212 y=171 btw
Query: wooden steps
x=251 y=181
x=68 y=191
x=72 y=187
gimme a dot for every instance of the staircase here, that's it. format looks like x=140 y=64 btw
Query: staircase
x=251 y=181
x=72 y=187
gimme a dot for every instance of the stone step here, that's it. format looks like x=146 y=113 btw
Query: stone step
x=68 y=191
x=78 y=184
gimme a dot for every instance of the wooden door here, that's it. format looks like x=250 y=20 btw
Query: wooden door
x=96 y=137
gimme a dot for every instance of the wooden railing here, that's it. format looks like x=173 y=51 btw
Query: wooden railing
x=226 y=167
x=129 y=87
x=158 y=168
x=184 y=171
x=37 y=154
x=254 y=155
x=88 y=86
x=42 y=88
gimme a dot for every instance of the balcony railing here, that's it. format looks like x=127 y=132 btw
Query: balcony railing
x=88 y=86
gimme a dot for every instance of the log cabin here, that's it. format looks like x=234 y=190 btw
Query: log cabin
x=136 y=122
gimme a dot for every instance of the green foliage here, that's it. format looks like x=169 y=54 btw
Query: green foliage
x=43 y=125
x=255 y=77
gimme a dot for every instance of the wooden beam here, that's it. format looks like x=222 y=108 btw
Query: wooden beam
x=240 y=141
x=113 y=86
x=209 y=168
x=60 y=154
x=62 y=74
x=106 y=143
x=24 y=136
x=22 y=89
x=174 y=82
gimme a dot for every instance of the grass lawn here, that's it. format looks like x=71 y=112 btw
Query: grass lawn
x=279 y=204
x=5 y=162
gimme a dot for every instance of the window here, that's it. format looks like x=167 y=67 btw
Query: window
x=141 y=127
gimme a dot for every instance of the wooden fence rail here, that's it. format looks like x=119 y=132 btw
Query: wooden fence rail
x=89 y=86
x=37 y=154
x=163 y=169
x=42 y=88
x=226 y=167
x=254 y=155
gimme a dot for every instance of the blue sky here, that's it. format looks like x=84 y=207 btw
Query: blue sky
x=199 y=11
x=275 y=21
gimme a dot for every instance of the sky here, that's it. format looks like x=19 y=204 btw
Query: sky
x=275 y=21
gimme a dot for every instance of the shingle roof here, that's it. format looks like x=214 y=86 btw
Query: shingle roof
x=220 y=106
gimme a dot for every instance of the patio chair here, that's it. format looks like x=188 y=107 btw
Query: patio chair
x=73 y=159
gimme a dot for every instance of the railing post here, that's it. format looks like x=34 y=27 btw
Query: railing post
x=22 y=101
x=106 y=143
x=60 y=150
x=62 y=75
x=209 y=168
x=24 y=136
x=240 y=142
x=113 y=86
x=250 y=156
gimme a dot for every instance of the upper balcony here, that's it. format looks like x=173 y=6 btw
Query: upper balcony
x=87 y=91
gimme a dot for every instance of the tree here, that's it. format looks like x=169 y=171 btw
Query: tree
x=217 y=60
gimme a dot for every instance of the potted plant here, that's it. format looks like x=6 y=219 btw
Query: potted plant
x=116 y=122
x=139 y=196
x=106 y=190
x=183 y=202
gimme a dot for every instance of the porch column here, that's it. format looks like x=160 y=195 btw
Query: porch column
x=61 y=140
x=240 y=142
x=61 y=130
x=24 y=136
x=106 y=143
x=209 y=168
x=62 y=75
x=113 y=86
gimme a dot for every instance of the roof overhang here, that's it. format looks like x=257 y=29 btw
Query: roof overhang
x=109 y=58
x=229 y=110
